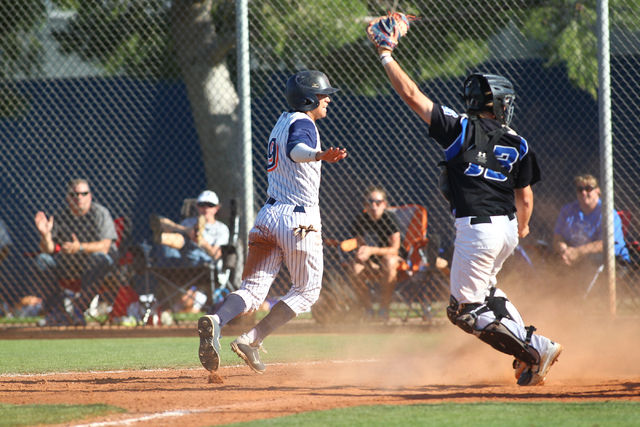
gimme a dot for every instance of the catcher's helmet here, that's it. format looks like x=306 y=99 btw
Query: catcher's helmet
x=303 y=87
x=491 y=93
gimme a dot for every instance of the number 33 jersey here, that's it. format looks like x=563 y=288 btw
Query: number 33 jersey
x=293 y=183
x=476 y=190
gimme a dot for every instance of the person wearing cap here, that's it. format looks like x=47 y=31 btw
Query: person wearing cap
x=196 y=240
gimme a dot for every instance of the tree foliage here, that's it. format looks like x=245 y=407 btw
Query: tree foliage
x=130 y=37
x=134 y=36
x=20 y=50
x=567 y=33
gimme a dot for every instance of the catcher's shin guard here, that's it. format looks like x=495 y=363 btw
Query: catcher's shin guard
x=464 y=317
x=502 y=339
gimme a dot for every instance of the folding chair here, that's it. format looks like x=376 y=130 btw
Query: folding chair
x=174 y=283
x=117 y=277
x=626 y=272
x=420 y=283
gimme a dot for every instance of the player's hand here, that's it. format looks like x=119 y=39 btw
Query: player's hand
x=43 y=224
x=332 y=155
x=72 y=247
x=383 y=49
x=523 y=231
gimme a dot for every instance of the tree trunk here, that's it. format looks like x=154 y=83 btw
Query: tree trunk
x=214 y=100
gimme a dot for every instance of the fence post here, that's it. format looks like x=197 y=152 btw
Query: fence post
x=606 y=152
x=244 y=92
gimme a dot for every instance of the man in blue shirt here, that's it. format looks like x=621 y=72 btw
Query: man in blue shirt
x=577 y=239
x=578 y=232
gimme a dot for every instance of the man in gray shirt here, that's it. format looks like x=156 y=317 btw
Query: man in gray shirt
x=76 y=244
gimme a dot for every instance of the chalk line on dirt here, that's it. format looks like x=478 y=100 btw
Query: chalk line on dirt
x=190 y=369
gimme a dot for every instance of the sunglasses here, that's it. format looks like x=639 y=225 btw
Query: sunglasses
x=76 y=194
x=587 y=188
x=206 y=205
x=374 y=202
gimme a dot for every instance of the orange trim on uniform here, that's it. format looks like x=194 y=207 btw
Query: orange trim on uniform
x=275 y=165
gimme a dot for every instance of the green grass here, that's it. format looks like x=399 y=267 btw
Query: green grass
x=31 y=415
x=537 y=414
x=81 y=355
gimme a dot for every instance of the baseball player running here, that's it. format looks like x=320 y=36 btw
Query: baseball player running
x=490 y=170
x=287 y=228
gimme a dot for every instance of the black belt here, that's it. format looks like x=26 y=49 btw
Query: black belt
x=272 y=201
x=487 y=219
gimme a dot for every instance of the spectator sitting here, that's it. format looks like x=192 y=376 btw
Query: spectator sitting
x=578 y=232
x=577 y=237
x=379 y=251
x=76 y=243
x=5 y=242
x=28 y=306
x=193 y=242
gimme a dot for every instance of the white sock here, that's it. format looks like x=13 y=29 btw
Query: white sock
x=216 y=318
x=252 y=335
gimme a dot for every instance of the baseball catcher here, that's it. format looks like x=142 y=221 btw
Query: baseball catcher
x=490 y=170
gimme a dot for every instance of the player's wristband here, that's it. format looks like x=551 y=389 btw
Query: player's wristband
x=81 y=249
x=385 y=58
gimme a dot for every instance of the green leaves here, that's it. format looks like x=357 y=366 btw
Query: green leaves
x=566 y=32
x=453 y=36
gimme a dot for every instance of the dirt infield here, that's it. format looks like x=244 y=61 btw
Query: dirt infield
x=185 y=397
x=598 y=364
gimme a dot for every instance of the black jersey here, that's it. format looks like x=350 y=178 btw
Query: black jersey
x=377 y=233
x=475 y=190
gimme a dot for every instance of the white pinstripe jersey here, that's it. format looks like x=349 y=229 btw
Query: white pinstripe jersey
x=291 y=183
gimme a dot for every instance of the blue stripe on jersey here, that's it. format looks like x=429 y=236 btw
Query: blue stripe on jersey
x=301 y=132
x=293 y=183
x=524 y=147
x=456 y=146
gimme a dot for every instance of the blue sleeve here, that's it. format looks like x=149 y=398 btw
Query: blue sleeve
x=561 y=222
x=301 y=132
x=5 y=238
x=618 y=237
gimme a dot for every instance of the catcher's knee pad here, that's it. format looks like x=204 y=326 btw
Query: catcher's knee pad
x=502 y=339
x=464 y=317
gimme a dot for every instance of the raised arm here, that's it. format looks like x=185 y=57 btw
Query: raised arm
x=406 y=88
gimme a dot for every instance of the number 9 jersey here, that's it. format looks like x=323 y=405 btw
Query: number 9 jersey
x=293 y=183
x=476 y=190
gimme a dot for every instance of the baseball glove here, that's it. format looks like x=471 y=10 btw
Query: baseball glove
x=387 y=30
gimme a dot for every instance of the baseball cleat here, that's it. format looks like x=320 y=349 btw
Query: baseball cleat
x=209 y=351
x=536 y=374
x=249 y=353
x=519 y=366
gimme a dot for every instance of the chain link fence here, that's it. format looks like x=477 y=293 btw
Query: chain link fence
x=139 y=97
